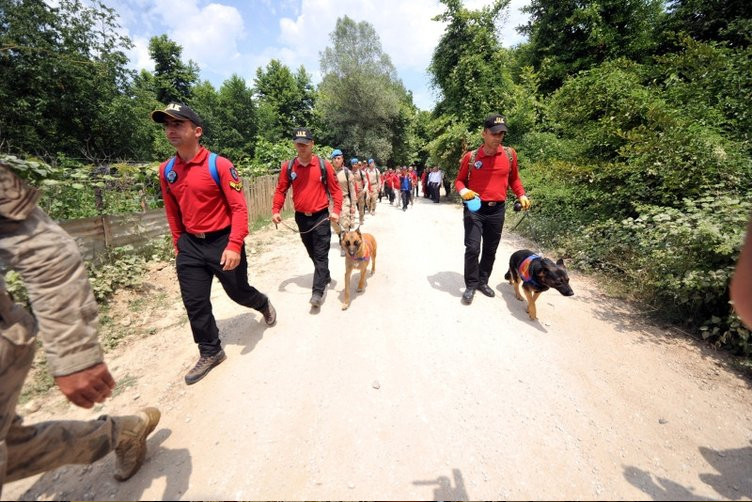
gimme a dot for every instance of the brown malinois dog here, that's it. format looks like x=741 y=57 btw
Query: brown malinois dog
x=359 y=250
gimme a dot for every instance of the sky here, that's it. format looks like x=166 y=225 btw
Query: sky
x=238 y=36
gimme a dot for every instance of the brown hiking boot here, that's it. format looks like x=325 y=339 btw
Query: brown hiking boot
x=131 y=449
x=270 y=314
x=203 y=366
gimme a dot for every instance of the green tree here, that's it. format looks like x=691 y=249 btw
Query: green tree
x=568 y=36
x=360 y=97
x=711 y=20
x=173 y=78
x=62 y=68
x=285 y=100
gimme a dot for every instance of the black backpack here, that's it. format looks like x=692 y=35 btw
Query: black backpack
x=322 y=165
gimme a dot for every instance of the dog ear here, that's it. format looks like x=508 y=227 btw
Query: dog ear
x=560 y=262
x=358 y=230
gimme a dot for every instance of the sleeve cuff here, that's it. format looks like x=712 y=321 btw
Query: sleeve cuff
x=234 y=246
x=464 y=191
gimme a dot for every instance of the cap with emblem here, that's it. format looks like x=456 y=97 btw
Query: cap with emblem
x=337 y=153
x=495 y=123
x=302 y=135
x=178 y=111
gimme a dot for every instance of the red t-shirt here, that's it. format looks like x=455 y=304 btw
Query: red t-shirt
x=195 y=204
x=490 y=176
x=308 y=194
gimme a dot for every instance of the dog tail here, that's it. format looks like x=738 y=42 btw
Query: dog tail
x=508 y=275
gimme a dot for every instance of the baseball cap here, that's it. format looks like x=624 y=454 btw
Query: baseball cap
x=178 y=111
x=495 y=123
x=302 y=135
x=336 y=153
x=370 y=161
x=353 y=161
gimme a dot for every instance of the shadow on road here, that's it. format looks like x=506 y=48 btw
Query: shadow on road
x=83 y=482
x=516 y=307
x=443 y=487
x=448 y=282
x=734 y=466
x=302 y=281
x=659 y=488
x=244 y=330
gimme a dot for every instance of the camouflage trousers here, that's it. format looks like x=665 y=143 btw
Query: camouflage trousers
x=373 y=197
x=64 y=307
x=345 y=217
x=362 y=205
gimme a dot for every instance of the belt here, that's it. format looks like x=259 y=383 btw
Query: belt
x=491 y=203
x=311 y=214
x=205 y=235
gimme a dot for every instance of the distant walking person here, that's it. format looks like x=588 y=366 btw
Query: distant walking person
x=405 y=188
x=208 y=218
x=374 y=184
x=486 y=173
x=310 y=177
x=349 y=195
x=434 y=184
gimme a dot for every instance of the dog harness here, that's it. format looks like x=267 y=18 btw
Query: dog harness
x=524 y=271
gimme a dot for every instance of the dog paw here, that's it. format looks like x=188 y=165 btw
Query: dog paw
x=345 y=305
x=360 y=290
x=519 y=298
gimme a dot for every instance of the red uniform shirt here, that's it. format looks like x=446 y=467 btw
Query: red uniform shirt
x=195 y=204
x=490 y=176
x=308 y=194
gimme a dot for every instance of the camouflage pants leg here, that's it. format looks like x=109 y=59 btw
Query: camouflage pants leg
x=362 y=206
x=32 y=449
x=345 y=221
x=373 y=196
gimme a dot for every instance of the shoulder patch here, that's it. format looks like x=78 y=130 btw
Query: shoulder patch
x=234 y=173
x=172 y=176
x=236 y=185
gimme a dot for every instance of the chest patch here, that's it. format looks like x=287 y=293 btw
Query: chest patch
x=478 y=164
x=293 y=175
x=172 y=176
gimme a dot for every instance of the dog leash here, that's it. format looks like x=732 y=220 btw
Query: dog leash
x=326 y=218
x=524 y=215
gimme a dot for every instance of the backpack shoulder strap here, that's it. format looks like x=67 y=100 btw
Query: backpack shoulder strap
x=324 y=177
x=169 y=166
x=289 y=169
x=509 y=151
x=471 y=163
x=213 y=168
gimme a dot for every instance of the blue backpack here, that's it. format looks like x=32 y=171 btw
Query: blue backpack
x=212 y=168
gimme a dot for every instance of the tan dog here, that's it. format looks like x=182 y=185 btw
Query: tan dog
x=359 y=250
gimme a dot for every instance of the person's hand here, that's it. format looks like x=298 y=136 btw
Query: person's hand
x=334 y=217
x=86 y=387
x=276 y=218
x=525 y=202
x=468 y=194
x=230 y=259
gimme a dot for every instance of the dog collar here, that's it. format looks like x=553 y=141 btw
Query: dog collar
x=365 y=257
x=524 y=270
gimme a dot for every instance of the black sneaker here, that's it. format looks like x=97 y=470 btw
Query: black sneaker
x=486 y=290
x=317 y=299
x=270 y=314
x=467 y=296
x=203 y=366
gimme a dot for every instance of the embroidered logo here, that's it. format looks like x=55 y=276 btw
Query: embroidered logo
x=499 y=120
x=172 y=176
x=174 y=106
x=236 y=185
x=300 y=134
x=234 y=174
x=478 y=164
x=293 y=175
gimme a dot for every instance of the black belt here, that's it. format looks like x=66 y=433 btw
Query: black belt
x=322 y=211
x=491 y=203
x=209 y=235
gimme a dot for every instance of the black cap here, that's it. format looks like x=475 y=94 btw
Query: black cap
x=178 y=111
x=302 y=135
x=495 y=123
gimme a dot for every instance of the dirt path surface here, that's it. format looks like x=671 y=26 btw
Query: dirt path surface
x=411 y=395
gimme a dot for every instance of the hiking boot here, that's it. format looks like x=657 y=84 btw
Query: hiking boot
x=317 y=299
x=270 y=314
x=131 y=448
x=486 y=290
x=203 y=366
x=467 y=296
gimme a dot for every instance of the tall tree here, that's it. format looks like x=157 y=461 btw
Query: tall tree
x=568 y=36
x=285 y=100
x=360 y=96
x=712 y=20
x=173 y=77
x=60 y=66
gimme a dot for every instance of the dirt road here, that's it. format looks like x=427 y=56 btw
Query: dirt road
x=411 y=395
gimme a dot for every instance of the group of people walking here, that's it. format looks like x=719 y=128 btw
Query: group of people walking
x=208 y=219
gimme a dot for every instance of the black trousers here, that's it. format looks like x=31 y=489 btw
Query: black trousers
x=405 y=198
x=483 y=225
x=197 y=264
x=434 y=191
x=316 y=243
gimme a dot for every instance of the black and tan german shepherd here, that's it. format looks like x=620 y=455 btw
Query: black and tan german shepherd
x=537 y=274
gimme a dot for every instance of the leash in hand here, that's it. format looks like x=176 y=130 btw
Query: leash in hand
x=326 y=218
x=517 y=209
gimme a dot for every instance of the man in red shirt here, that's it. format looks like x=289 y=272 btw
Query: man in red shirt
x=493 y=170
x=311 y=201
x=209 y=220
